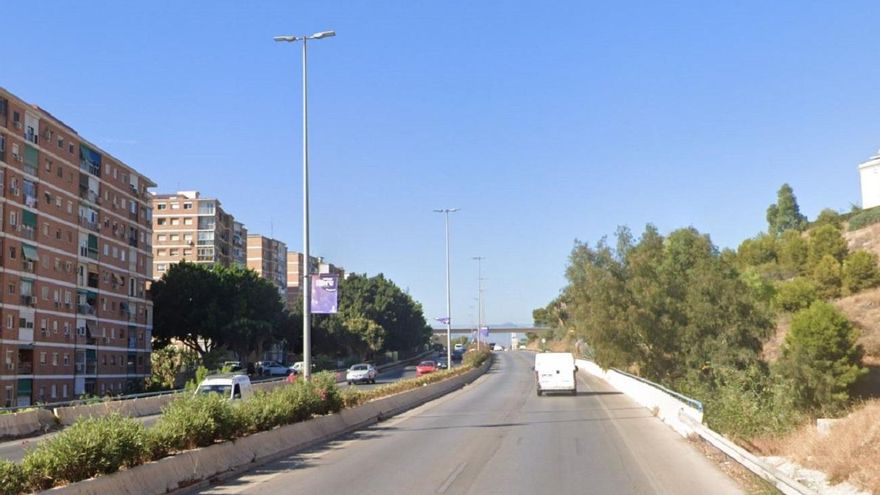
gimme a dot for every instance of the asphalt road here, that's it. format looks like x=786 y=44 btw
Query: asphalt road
x=497 y=436
x=15 y=450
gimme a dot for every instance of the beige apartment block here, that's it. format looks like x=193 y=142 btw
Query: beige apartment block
x=295 y=274
x=189 y=227
x=75 y=256
x=268 y=257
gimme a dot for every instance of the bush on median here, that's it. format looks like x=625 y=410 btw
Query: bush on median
x=89 y=447
x=12 y=478
x=193 y=421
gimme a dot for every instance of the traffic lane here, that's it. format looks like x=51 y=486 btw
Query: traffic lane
x=497 y=436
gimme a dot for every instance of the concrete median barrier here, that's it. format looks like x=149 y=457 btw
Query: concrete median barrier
x=181 y=472
x=26 y=422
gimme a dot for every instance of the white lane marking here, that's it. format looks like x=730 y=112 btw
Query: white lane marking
x=451 y=479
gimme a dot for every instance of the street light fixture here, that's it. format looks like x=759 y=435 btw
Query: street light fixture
x=446 y=212
x=306 y=282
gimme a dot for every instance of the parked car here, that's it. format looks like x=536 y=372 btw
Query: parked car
x=426 y=367
x=272 y=368
x=361 y=373
x=231 y=386
x=442 y=364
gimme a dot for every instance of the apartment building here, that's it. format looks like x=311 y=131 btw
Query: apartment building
x=295 y=274
x=189 y=227
x=268 y=257
x=75 y=254
x=239 y=244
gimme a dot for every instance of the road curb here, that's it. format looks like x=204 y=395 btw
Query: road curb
x=192 y=469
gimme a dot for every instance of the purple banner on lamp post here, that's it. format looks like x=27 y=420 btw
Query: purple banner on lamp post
x=484 y=332
x=324 y=294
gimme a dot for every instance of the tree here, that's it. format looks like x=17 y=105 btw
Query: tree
x=796 y=294
x=167 y=364
x=785 y=213
x=212 y=308
x=820 y=358
x=792 y=252
x=757 y=251
x=826 y=240
x=826 y=274
x=828 y=217
x=860 y=272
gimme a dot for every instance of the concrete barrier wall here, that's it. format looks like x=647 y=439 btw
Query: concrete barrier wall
x=668 y=408
x=146 y=406
x=687 y=420
x=183 y=471
x=26 y=423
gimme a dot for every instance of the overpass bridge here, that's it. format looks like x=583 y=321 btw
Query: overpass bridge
x=471 y=330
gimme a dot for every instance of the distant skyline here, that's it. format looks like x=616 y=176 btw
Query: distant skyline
x=543 y=122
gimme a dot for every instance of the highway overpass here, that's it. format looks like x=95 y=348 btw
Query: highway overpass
x=471 y=330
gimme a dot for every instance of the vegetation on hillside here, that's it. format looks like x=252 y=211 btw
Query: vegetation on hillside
x=677 y=310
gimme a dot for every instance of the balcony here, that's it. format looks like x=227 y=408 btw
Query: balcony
x=26 y=334
x=89 y=195
x=132 y=342
x=85 y=222
x=27 y=232
x=28 y=300
x=28 y=266
x=87 y=252
x=85 y=309
x=25 y=368
x=133 y=242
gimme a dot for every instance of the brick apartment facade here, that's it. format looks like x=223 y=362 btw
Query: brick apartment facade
x=189 y=227
x=75 y=255
x=268 y=257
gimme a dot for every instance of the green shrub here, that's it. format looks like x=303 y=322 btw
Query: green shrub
x=826 y=274
x=352 y=397
x=12 y=478
x=826 y=240
x=324 y=384
x=284 y=405
x=792 y=252
x=821 y=360
x=860 y=272
x=796 y=294
x=89 y=447
x=864 y=218
x=475 y=359
x=194 y=421
x=747 y=403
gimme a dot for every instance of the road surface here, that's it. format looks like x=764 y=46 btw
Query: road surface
x=497 y=436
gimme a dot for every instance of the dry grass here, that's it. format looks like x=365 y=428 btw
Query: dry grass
x=850 y=452
x=773 y=346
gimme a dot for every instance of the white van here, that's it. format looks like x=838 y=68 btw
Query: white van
x=232 y=387
x=555 y=372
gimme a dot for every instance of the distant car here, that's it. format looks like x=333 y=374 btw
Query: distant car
x=298 y=367
x=361 y=373
x=426 y=367
x=459 y=347
x=457 y=354
x=232 y=387
x=232 y=365
x=272 y=368
x=498 y=348
x=442 y=364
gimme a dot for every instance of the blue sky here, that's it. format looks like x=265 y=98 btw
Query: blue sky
x=543 y=121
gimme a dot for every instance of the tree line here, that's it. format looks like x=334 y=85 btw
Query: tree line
x=678 y=310
x=216 y=310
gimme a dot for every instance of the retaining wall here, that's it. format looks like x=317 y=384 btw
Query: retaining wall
x=26 y=423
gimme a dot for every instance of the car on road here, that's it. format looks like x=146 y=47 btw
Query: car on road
x=497 y=348
x=458 y=347
x=232 y=366
x=230 y=386
x=361 y=373
x=298 y=367
x=426 y=367
x=442 y=364
x=272 y=368
x=457 y=355
x=555 y=372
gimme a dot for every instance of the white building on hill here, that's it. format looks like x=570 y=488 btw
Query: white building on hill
x=869 y=176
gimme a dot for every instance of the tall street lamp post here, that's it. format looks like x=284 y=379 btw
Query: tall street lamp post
x=306 y=282
x=446 y=212
x=479 y=260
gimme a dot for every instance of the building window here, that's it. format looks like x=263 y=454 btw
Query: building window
x=161 y=206
x=42 y=358
x=160 y=221
x=187 y=206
